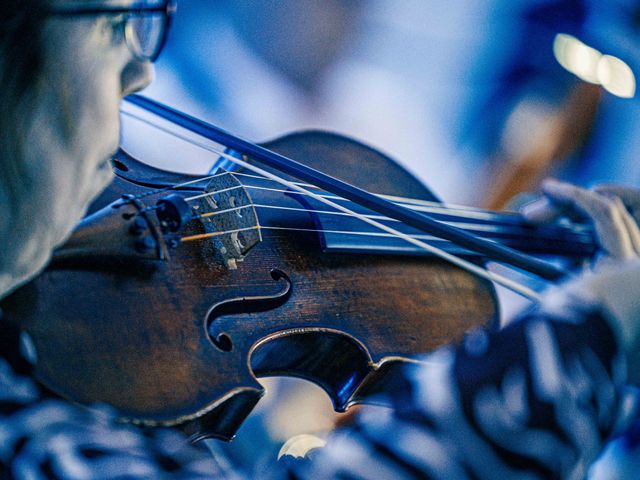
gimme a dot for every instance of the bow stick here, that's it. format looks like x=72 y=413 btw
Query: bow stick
x=357 y=195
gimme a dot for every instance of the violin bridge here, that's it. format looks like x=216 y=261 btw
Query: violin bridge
x=230 y=213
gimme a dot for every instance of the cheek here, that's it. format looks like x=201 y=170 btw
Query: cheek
x=74 y=192
x=96 y=137
x=79 y=111
x=96 y=182
x=97 y=116
x=87 y=71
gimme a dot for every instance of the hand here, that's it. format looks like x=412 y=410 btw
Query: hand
x=614 y=283
x=614 y=211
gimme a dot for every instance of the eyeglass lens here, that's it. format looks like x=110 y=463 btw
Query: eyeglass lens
x=145 y=34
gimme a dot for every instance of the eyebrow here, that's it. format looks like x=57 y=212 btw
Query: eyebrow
x=135 y=7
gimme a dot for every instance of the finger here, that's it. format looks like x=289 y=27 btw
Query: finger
x=540 y=210
x=520 y=200
x=553 y=205
x=630 y=196
x=616 y=230
x=567 y=195
x=543 y=210
x=569 y=199
x=607 y=215
x=632 y=228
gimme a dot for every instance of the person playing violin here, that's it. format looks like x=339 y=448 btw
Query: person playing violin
x=536 y=399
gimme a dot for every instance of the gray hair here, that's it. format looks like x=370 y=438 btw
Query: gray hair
x=21 y=26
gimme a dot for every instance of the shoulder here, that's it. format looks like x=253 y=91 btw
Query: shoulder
x=44 y=437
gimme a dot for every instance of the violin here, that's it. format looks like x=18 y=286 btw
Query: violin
x=177 y=291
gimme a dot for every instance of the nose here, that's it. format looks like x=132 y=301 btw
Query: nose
x=136 y=76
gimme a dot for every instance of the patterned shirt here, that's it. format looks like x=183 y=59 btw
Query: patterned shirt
x=534 y=400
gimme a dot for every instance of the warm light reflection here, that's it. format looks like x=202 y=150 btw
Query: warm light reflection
x=590 y=65
x=578 y=58
x=616 y=77
x=300 y=445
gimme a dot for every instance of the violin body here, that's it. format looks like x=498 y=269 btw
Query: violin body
x=181 y=340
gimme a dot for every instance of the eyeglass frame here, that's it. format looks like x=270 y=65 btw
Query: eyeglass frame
x=167 y=7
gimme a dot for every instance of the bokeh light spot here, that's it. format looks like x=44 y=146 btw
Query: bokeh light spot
x=592 y=66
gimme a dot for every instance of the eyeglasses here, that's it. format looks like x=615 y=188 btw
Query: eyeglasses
x=146 y=24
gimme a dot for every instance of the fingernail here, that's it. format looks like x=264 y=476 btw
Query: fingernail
x=536 y=210
x=550 y=182
x=552 y=185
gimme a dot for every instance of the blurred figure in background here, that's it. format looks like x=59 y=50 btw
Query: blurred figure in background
x=561 y=103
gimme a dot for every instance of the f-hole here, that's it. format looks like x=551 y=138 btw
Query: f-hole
x=222 y=340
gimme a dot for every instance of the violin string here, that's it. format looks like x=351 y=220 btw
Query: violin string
x=573 y=228
x=221 y=212
x=175 y=186
x=429 y=206
x=415 y=204
x=487 y=229
x=212 y=194
x=422 y=206
x=471 y=226
x=202 y=236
